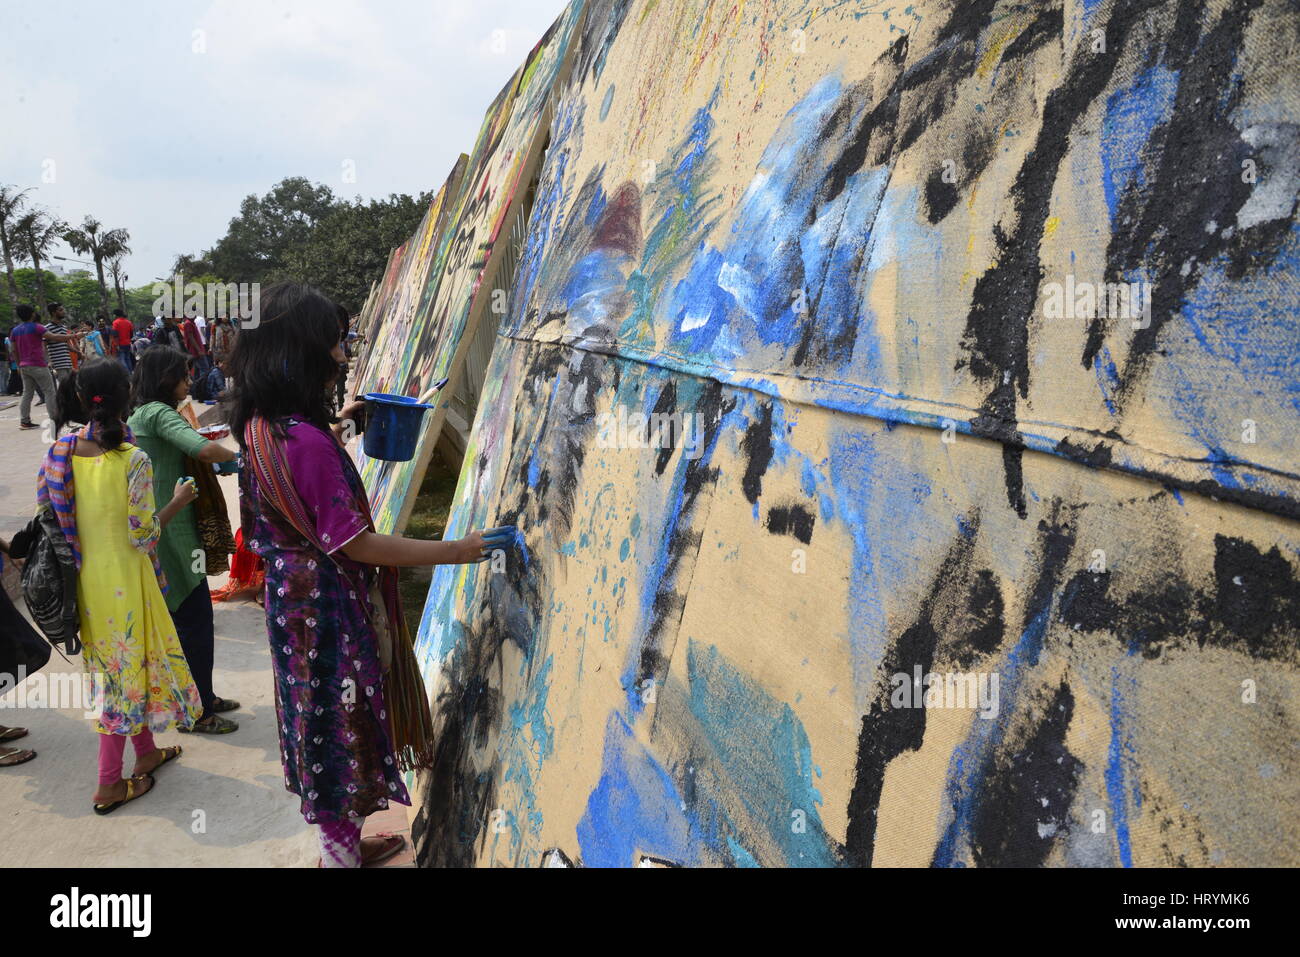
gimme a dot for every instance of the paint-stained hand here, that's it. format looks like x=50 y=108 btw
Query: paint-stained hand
x=186 y=491
x=479 y=546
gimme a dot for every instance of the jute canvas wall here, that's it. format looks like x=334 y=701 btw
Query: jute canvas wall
x=836 y=243
x=396 y=328
x=434 y=311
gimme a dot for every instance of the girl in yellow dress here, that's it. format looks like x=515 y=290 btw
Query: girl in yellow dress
x=101 y=489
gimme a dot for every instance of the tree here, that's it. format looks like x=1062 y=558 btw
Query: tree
x=11 y=204
x=258 y=239
x=300 y=230
x=139 y=303
x=38 y=231
x=79 y=293
x=25 y=283
x=102 y=245
x=351 y=245
x=115 y=266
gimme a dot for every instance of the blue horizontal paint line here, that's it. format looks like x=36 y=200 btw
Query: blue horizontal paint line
x=1279 y=491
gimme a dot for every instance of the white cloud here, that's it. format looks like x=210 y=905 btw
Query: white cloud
x=149 y=134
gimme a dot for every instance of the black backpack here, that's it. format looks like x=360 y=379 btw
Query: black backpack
x=50 y=580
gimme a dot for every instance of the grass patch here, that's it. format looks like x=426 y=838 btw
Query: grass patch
x=428 y=520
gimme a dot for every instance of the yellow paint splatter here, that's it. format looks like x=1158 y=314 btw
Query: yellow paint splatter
x=991 y=55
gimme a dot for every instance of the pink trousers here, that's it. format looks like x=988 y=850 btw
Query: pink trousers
x=111 y=749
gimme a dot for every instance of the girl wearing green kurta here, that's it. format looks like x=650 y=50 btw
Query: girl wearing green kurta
x=161 y=381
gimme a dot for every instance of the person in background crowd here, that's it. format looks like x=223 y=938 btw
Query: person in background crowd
x=106 y=335
x=29 y=338
x=123 y=333
x=224 y=337
x=170 y=335
x=210 y=387
x=101 y=489
x=193 y=343
x=305 y=511
x=13 y=381
x=221 y=340
x=162 y=381
x=59 y=353
x=92 y=345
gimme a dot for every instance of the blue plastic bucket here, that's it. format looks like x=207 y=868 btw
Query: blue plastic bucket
x=392 y=426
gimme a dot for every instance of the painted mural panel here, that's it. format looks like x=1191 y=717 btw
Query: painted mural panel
x=444 y=291
x=858 y=344
x=397 y=330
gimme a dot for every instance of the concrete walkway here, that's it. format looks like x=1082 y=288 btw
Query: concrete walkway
x=222 y=804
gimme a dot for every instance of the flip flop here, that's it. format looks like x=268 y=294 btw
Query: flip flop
x=395 y=843
x=132 y=792
x=12 y=757
x=12 y=734
x=170 y=753
x=220 y=705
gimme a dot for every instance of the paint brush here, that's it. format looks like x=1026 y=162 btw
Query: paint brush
x=425 y=397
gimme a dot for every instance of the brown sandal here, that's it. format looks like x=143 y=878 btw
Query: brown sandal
x=12 y=757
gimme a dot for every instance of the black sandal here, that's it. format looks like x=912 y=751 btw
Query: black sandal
x=221 y=705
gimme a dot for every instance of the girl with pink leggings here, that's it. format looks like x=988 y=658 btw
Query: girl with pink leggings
x=100 y=489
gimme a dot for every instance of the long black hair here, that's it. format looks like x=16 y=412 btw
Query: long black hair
x=71 y=408
x=283 y=365
x=158 y=372
x=105 y=390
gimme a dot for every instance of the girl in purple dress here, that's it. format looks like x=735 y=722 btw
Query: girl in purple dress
x=351 y=708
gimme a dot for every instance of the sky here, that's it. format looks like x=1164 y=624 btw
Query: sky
x=160 y=116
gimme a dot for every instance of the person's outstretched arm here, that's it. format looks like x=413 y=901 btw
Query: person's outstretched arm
x=371 y=548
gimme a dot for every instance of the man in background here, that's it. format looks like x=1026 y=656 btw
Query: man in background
x=28 y=340
x=59 y=348
x=170 y=334
x=123 y=333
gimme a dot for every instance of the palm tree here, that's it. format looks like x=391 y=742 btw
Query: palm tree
x=101 y=245
x=38 y=231
x=11 y=204
x=119 y=278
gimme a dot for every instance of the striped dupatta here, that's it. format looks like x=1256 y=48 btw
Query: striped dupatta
x=55 y=488
x=404 y=692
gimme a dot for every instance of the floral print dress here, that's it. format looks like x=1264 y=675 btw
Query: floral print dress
x=335 y=736
x=130 y=648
